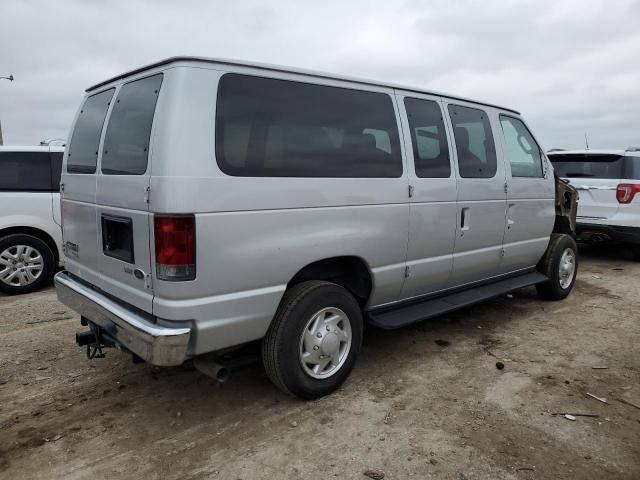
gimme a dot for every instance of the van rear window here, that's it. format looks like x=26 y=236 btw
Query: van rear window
x=126 y=143
x=278 y=128
x=85 y=140
x=588 y=165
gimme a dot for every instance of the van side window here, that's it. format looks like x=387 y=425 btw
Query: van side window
x=85 y=140
x=25 y=172
x=522 y=151
x=126 y=143
x=279 y=128
x=474 y=142
x=428 y=137
x=56 y=170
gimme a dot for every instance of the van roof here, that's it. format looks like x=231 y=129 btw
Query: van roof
x=31 y=148
x=280 y=68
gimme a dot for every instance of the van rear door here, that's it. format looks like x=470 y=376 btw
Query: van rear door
x=107 y=223
x=596 y=176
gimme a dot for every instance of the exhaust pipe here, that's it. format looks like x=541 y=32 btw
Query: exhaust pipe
x=212 y=369
x=594 y=237
x=220 y=366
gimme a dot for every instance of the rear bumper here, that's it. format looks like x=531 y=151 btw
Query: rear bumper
x=158 y=345
x=615 y=233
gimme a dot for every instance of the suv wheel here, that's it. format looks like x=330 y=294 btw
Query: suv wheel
x=26 y=263
x=314 y=339
x=560 y=264
x=635 y=252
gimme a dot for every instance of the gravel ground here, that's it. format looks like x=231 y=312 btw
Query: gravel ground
x=422 y=402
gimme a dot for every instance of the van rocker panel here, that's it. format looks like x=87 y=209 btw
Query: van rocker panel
x=415 y=311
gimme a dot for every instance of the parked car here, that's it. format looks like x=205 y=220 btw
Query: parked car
x=30 y=234
x=607 y=181
x=209 y=203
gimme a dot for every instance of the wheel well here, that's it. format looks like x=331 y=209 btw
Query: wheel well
x=41 y=234
x=351 y=273
x=563 y=225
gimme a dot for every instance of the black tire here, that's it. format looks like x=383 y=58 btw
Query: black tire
x=48 y=264
x=550 y=266
x=635 y=253
x=281 y=345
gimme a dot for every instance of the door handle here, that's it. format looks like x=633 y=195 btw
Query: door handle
x=510 y=212
x=464 y=220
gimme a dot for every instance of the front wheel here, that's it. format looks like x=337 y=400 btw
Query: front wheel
x=314 y=339
x=560 y=265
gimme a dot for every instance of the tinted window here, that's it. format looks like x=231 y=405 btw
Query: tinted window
x=428 y=137
x=522 y=150
x=25 y=171
x=56 y=170
x=278 y=128
x=588 y=166
x=83 y=149
x=126 y=143
x=632 y=168
x=474 y=142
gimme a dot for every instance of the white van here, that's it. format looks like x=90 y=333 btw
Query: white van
x=608 y=182
x=30 y=234
x=212 y=203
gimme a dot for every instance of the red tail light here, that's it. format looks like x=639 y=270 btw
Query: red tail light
x=626 y=191
x=175 y=247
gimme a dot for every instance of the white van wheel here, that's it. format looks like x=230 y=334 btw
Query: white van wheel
x=26 y=263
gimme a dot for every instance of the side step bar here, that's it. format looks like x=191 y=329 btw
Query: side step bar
x=411 y=312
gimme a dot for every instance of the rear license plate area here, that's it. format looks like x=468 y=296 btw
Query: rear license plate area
x=117 y=237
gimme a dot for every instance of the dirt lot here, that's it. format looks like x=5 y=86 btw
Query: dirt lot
x=423 y=402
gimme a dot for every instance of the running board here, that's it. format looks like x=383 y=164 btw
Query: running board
x=415 y=311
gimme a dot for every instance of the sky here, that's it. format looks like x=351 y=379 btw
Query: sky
x=570 y=67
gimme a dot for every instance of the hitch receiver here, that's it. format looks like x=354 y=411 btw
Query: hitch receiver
x=95 y=341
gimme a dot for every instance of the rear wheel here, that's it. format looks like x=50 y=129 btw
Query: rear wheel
x=560 y=264
x=635 y=252
x=26 y=263
x=314 y=339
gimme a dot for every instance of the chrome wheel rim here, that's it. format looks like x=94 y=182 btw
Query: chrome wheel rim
x=567 y=268
x=325 y=343
x=20 y=265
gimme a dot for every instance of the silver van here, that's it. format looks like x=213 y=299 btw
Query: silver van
x=208 y=204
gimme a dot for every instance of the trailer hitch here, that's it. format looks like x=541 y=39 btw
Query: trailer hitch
x=94 y=351
x=90 y=339
x=95 y=340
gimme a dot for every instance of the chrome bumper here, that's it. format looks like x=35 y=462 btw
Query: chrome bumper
x=162 y=346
